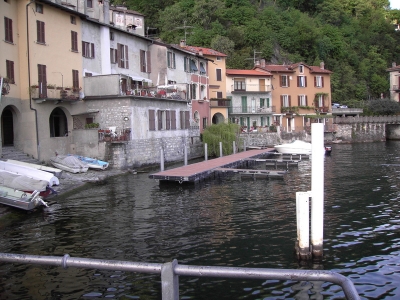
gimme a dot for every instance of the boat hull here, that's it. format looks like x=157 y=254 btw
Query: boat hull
x=69 y=163
x=296 y=147
x=92 y=162
x=20 y=199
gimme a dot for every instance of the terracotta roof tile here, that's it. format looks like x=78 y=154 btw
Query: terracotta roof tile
x=247 y=72
x=206 y=51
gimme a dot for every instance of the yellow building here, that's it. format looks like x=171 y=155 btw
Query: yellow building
x=301 y=94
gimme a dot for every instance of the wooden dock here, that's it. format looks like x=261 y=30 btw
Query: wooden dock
x=202 y=170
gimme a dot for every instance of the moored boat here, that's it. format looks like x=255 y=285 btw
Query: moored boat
x=20 y=199
x=92 y=162
x=56 y=172
x=69 y=163
x=295 y=147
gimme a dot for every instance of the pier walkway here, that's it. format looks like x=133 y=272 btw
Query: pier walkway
x=201 y=170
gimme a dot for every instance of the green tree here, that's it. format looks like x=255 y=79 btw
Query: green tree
x=226 y=133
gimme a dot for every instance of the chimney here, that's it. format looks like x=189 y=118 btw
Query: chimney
x=183 y=43
x=257 y=63
x=263 y=63
x=322 y=65
x=393 y=64
x=106 y=12
x=201 y=52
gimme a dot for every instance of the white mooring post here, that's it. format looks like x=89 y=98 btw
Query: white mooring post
x=205 y=152
x=303 y=225
x=220 y=149
x=234 y=147
x=317 y=189
x=162 y=160
x=186 y=158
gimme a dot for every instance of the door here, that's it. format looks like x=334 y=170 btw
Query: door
x=261 y=82
x=7 y=127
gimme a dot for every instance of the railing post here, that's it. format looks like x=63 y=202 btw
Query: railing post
x=169 y=281
x=185 y=153
x=234 y=147
x=220 y=149
x=162 y=160
x=205 y=152
x=303 y=225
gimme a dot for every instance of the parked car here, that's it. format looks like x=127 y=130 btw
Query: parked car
x=335 y=105
x=343 y=106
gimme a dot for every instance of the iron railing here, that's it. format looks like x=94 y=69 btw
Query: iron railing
x=251 y=110
x=171 y=271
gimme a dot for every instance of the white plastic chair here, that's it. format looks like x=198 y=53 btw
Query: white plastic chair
x=113 y=132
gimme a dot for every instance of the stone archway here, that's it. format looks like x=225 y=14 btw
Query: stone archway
x=58 y=123
x=218 y=118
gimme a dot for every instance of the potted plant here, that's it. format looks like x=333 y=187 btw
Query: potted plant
x=107 y=135
x=51 y=86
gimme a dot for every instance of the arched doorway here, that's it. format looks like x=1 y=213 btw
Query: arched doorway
x=218 y=118
x=58 y=123
x=7 y=127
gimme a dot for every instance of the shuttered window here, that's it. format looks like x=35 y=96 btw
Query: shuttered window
x=42 y=80
x=40 y=32
x=75 y=80
x=74 y=41
x=8 y=30
x=10 y=71
x=122 y=56
x=152 y=120
x=87 y=49
x=173 y=119
x=219 y=75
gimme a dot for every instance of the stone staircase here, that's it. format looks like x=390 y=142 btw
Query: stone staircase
x=9 y=152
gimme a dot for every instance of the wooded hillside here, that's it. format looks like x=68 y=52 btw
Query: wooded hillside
x=355 y=38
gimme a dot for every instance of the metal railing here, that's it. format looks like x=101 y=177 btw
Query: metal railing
x=251 y=110
x=171 y=271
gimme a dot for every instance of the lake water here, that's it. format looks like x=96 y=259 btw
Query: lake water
x=229 y=222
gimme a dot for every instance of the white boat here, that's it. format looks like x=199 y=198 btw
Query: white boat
x=92 y=162
x=69 y=163
x=295 y=147
x=20 y=199
x=55 y=171
x=29 y=172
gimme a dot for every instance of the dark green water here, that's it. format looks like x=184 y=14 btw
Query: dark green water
x=219 y=223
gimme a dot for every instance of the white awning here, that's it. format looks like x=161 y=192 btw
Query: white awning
x=139 y=78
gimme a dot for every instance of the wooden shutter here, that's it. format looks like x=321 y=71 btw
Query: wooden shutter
x=75 y=79
x=169 y=59
x=280 y=80
x=305 y=81
x=42 y=78
x=40 y=32
x=322 y=81
x=298 y=101
x=168 y=120
x=148 y=58
x=315 y=81
x=10 y=70
x=282 y=101
x=187 y=119
x=83 y=49
x=174 y=61
x=152 y=120
x=159 y=115
x=92 y=48
x=119 y=54
x=185 y=63
x=182 y=119
x=290 y=102
x=306 y=100
x=219 y=76
x=288 y=81
x=298 y=81
x=126 y=57
x=173 y=119
x=8 y=30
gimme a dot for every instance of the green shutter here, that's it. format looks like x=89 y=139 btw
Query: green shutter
x=262 y=102
x=268 y=103
x=262 y=121
x=244 y=104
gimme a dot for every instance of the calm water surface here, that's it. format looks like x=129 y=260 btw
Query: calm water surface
x=221 y=223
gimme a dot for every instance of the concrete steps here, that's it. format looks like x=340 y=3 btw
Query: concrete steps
x=9 y=152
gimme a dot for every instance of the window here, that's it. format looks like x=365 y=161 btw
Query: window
x=219 y=58
x=74 y=41
x=239 y=84
x=113 y=56
x=193 y=89
x=73 y=20
x=39 y=8
x=162 y=119
x=173 y=119
x=319 y=81
x=202 y=69
x=111 y=36
x=320 y=100
x=152 y=120
x=284 y=81
x=301 y=69
x=219 y=95
x=285 y=100
x=262 y=102
x=42 y=80
x=219 y=74
x=193 y=66
x=204 y=123
x=75 y=80
x=40 y=32
x=302 y=100
x=145 y=61
x=186 y=63
x=10 y=71
x=185 y=119
x=88 y=74
x=171 y=60
x=8 y=30
x=87 y=49
x=122 y=56
x=301 y=81
x=89 y=3
x=244 y=104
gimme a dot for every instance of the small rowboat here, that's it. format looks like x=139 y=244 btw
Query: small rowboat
x=20 y=199
x=92 y=162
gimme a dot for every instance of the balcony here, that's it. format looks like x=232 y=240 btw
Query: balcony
x=324 y=109
x=220 y=103
x=252 y=110
x=250 y=88
x=50 y=92
x=395 y=88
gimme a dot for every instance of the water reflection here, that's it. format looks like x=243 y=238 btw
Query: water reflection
x=228 y=222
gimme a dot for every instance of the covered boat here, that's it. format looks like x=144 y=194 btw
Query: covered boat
x=295 y=147
x=92 y=162
x=56 y=172
x=69 y=163
x=20 y=199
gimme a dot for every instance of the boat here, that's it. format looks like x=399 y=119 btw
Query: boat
x=29 y=172
x=92 y=162
x=25 y=183
x=56 y=172
x=328 y=150
x=295 y=147
x=20 y=199
x=69 y=163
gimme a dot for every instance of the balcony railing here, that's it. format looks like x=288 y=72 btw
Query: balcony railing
x=220 y=103
x=251 y=110
x=322 y=109
x=395 y=87
x=251 y=87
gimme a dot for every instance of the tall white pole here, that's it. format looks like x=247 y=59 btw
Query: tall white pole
x=162 y=160
x=303 y=225
x=234 y=147
x=205 y=152
x=220 y=149
x=186 y=158
x=317 y=189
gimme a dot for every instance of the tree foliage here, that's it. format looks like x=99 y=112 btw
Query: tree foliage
x=355 y=38
x=381 y=107
x=226 y=133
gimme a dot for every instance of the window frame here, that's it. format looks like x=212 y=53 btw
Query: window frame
x=285 y=101
x=89 y=3
x=239 y=84
x=122 y=56
x=113 y=56
x=218 y=73
x=73 y=20
x=302 y=81
x=88 y=50
x=302 y=100
x=39 y=8
x=171 y=60
x=41 y=32
x=8 y=30
x=319 y=81
x=284 y=80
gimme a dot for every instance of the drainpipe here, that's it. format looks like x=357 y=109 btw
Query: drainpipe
x=29 y=81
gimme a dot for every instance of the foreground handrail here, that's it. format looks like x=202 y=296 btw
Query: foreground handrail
x=170 y=271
